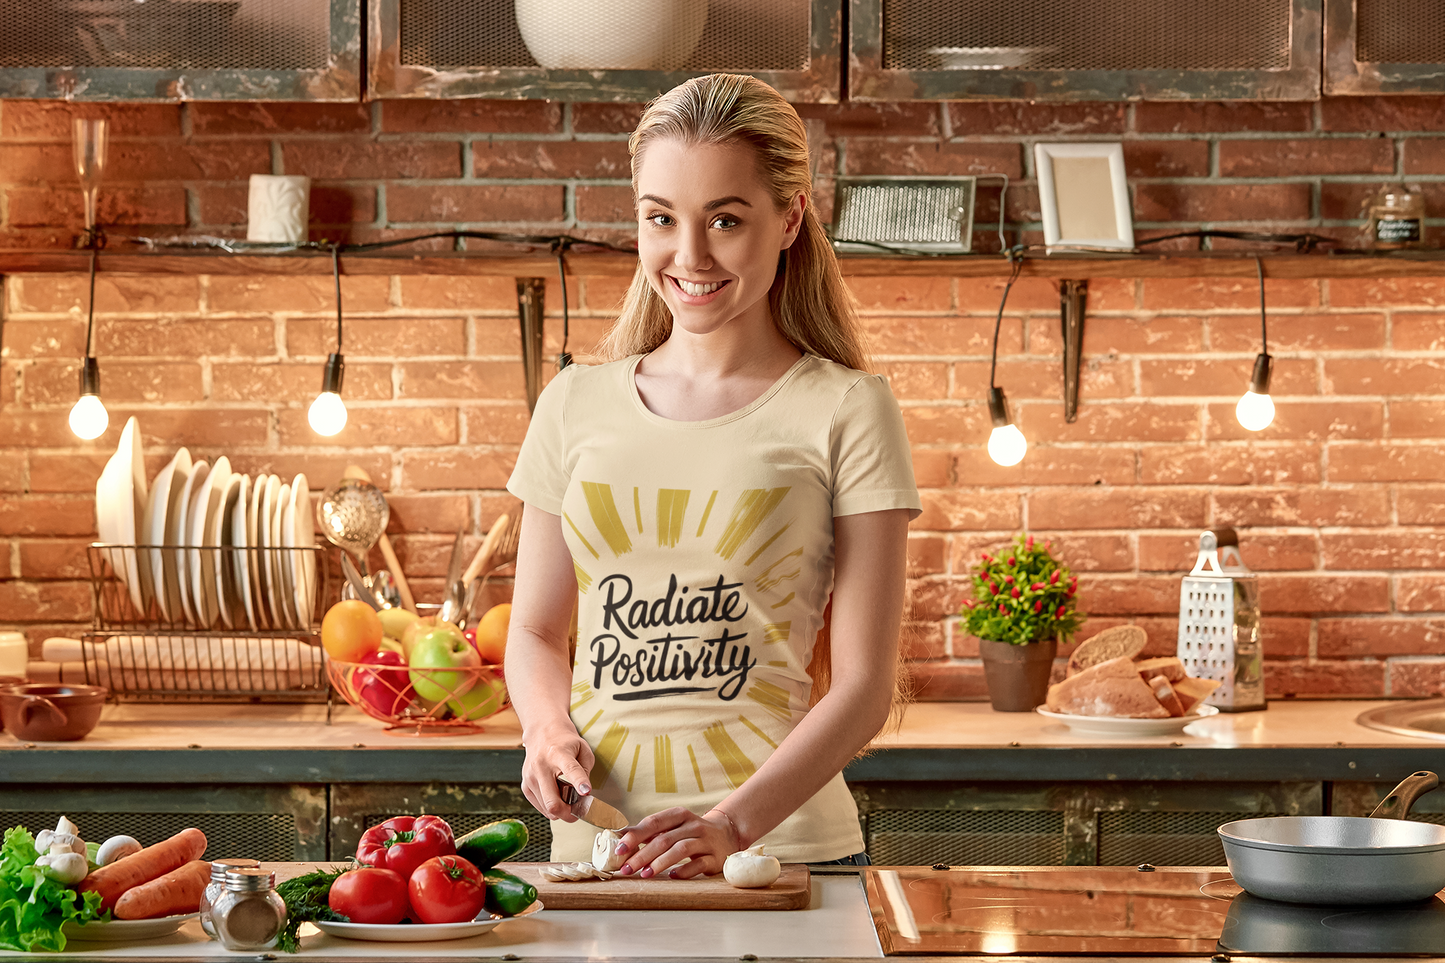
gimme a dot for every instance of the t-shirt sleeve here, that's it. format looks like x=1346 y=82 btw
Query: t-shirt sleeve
x=542 y=470
x=872 y=462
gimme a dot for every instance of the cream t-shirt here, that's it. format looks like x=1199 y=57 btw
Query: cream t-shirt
x=704 y=560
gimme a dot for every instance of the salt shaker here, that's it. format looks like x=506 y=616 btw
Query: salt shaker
x=249 y=914
x=217 y=886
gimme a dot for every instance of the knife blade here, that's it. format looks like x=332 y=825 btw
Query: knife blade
x=590 y=809
x=357 y=583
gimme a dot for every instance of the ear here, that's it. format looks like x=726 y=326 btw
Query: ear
x=793 y=220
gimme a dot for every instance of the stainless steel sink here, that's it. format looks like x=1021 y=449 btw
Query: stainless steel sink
x=1424 y=719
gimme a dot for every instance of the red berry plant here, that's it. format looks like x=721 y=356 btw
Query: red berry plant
x=1024 y=595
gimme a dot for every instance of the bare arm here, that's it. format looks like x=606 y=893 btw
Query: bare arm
x=868 y=588
x=539 y=673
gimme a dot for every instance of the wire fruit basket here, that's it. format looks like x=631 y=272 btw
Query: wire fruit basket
x=208 y=624
x=422 y=701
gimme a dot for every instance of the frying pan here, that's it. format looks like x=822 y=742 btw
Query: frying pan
x=1341 y=860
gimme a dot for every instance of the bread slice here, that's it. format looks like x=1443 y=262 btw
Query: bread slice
x=1111 y=688
x=1124 y=641
x=1164 y=692
x=1167 y=665
x=1192 y=691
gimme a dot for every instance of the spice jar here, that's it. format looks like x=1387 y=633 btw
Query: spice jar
x=249 y=914
x=1396 y=218
x=217 y=886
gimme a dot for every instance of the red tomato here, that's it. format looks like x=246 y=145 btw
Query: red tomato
x=446 y=889
x=370 y=895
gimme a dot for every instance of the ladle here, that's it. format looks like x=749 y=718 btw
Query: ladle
x=352 y=515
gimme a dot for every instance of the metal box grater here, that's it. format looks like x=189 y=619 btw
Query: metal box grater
x=1219 y=624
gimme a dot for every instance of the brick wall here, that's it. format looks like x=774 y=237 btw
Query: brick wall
x=1338 y=502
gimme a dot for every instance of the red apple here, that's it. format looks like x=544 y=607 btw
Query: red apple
x=388 y=691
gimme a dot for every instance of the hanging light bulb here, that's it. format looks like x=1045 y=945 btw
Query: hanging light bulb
x=88 y=418
x=1256 y=409
x=327 y=413
x=1006 y=444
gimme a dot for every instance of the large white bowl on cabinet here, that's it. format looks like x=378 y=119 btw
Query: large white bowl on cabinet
x=618 y=35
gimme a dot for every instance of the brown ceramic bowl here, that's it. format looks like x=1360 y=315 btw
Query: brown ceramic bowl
x=42 y=712
x=9 y=680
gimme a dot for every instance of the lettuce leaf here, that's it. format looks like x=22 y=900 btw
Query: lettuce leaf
x=33 y=907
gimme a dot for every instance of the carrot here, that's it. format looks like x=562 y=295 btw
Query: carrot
x=178 y=892
x=153 y=862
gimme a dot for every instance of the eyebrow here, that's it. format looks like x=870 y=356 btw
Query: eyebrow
x=709 y=206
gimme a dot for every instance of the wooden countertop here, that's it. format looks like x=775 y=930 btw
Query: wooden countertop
x=271 y=744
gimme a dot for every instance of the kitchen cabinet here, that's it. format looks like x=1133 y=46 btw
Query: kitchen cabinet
x=1384 y=47
x=173 y=50
x=267 y=822
x=475 y=48
x=1085 y=50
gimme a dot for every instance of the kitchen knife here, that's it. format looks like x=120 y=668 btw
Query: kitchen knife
x=590 y=809
x=357 y=583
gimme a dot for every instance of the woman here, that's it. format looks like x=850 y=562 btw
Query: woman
x=705 y=493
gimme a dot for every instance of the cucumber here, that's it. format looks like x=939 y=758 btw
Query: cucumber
x=486 y=846
x=506 y=894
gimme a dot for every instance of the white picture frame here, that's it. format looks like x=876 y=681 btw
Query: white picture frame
x=1085 y=197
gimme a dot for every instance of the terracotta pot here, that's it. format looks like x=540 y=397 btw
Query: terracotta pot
x=1017 y=675
x=51 y=713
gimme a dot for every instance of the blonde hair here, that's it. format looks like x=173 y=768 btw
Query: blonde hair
x=810 y=304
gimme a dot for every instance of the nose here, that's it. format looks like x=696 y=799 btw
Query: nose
x=692 y=250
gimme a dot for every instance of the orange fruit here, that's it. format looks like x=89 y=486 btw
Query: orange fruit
x=492 y=633
x=351 y=631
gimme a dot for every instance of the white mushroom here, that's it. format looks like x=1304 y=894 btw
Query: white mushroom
x=64 y=825
x=572 y=872
x=64 y=866
x=604 y=851
x=47 y=841
x=116 y=847
x=751 y=869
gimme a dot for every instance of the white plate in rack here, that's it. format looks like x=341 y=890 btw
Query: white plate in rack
x=223 y=561
x=240 y=556
x=201 y=536
x=283 y=586
x=421 y=932
x=298 y=531
x=1117 y=726
x=159 y=508
x=177 y=534
x=266 y=534
x=253 y=539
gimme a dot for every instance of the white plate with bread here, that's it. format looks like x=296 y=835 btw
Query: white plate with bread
x=1109 y=691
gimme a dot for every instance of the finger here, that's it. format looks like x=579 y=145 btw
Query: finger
x=636 y=837
x=661 y=843
x=683 y=849
x=693 y=868
x=549 y=801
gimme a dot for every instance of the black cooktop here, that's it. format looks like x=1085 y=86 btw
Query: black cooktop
x=1120 y=910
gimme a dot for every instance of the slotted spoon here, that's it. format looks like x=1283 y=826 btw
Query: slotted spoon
x=353 y=515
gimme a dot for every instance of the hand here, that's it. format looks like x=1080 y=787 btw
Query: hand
x=558 y=752
x=680 y=841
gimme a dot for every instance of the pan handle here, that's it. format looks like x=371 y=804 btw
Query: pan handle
x=1397 y=804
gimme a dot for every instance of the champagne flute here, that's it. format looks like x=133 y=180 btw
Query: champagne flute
x=91 y=138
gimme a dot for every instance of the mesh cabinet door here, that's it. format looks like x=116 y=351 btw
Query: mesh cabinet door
x=171 y=50
x=622 y=50
x=1384 y=46
x=1084 y=50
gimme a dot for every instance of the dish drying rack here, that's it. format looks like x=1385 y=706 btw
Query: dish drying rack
x=149 y=656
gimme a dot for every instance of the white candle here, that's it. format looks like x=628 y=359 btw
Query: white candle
x=14 y=654
x=279 y=209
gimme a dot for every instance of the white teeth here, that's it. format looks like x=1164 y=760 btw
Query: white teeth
x=697 y=290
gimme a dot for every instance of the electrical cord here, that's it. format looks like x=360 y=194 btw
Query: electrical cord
x=1263 y=327
x=1016 y=259
x=1303 y=243
x=336 y=276
x=90 y=309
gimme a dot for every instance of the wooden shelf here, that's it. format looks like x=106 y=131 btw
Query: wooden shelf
x=611 y=264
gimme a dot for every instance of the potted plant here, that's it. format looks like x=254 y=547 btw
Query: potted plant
x=1023 y=606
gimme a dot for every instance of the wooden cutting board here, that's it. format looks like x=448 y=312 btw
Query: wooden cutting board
x=792 y=890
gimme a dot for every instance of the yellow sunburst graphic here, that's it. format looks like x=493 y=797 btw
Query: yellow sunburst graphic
x=750 y=510
x=584 y=581
x=583 y=692
x=756 y=731
x=773 y=698
x=775 y=632
x=607 y=752
x=671 y=511
x=737 y=767
x=706 y=513
x=663 y=774
x=769 y=577
x=603 y=508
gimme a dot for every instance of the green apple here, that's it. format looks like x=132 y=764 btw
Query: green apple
x=482 y=700
x=440 y=649
x=415 y=630
x=395 y=621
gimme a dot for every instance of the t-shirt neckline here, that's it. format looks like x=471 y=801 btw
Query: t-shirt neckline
x=743 y=412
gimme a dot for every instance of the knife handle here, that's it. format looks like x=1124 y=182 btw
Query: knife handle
x=567 y=791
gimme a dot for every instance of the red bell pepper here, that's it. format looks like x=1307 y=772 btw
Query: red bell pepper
x=403 y=843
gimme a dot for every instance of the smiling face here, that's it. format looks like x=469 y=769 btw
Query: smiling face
x=708 y=234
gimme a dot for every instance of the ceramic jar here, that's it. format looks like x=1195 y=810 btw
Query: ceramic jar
x=622 y=35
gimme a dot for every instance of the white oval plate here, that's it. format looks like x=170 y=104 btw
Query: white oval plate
x=420 y=932
x=1116 y=726
x=117 y=930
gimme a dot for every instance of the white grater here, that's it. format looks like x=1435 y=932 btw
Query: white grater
x=1219 y=624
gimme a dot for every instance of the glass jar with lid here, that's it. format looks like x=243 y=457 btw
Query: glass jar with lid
x=217 y=886
x=249 y=914
x=1396 y=218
